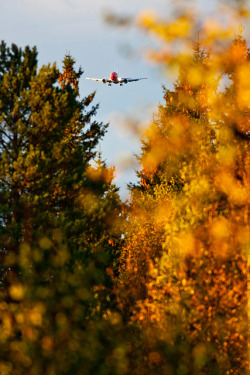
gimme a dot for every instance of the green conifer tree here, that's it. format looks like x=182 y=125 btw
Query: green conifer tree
x=58 y=223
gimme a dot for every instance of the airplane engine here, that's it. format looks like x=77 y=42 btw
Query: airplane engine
x=125 y=81
x=104 y=80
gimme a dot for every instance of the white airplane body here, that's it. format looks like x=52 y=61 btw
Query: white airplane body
x=114 y=78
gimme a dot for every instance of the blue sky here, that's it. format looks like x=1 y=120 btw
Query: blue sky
x=76 y=26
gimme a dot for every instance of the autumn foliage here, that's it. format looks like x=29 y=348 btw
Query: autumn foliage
x=183 y=273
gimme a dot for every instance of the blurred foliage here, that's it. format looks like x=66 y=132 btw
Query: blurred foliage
x=117 y=20
x=184 y=265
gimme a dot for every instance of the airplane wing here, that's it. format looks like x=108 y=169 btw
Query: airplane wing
x=119 y=80
x=96 y=79
x=104 y=80
x=131 y=79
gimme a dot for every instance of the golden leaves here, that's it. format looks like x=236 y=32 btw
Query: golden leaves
x=163 y=145
x=232 y=187
x=17 y=291
x=243 y=92
x=100 y=173
x=184 y=262
x=179 y=28
x=186 y=243
x=220 y=229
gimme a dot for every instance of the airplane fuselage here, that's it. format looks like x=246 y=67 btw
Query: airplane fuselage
x=114 y=78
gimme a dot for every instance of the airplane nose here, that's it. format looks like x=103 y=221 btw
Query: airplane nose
x=113 y=76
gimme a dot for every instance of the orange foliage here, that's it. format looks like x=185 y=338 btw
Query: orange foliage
x=183 y=275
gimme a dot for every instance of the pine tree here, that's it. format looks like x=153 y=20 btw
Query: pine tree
x=47 y=143
x=59 y=231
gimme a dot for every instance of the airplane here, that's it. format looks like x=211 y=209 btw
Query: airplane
x=114 y=78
